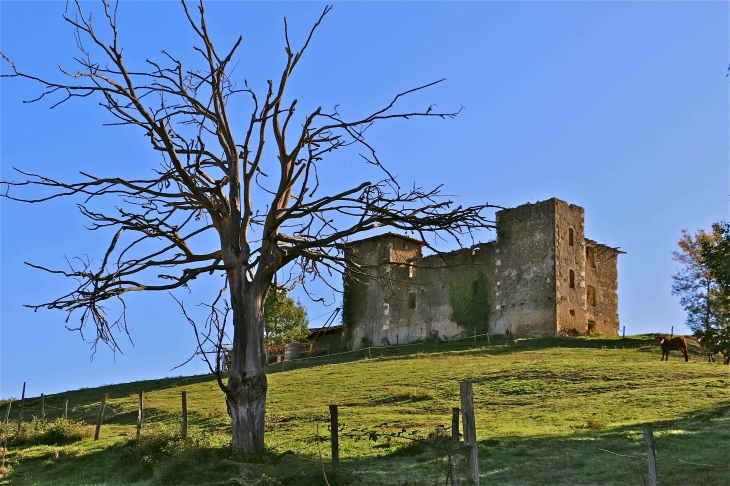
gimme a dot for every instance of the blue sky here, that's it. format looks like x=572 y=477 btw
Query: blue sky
x=621 y=108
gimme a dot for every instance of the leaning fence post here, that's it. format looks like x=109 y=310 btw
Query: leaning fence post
x=65 y=408
x=184 y=415
x=470 y=431
x=43 y=407
x=650 y=454
x=334 y=435
x=7 y=412
x=455 y=426
x=22 y=403
x=100 y=416
x=140 y=413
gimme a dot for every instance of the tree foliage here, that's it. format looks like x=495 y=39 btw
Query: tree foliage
x=285 y=319
x=469 y=300
x=716 y=254
x=702 y=286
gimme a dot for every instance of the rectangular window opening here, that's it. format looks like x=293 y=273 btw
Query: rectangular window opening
x=591 y=295
x=412 y=300
x=590 y=257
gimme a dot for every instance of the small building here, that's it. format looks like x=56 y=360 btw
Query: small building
x=540 y=277
x=327 y=340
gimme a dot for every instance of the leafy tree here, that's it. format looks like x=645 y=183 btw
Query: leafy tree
x=715 y=254
x=240 y=192
x=701 y=294
x=285 y=320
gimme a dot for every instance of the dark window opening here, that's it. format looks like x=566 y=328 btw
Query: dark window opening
x=572 y=279
x=475 y=287
x=572 y=312
x=591 y=295
x=412 y=300
x=590 y=257
x=570 y=236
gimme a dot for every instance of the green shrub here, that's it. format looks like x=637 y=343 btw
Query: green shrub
x=58 y=431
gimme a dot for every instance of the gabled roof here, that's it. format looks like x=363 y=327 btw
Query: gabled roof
x=386 y=235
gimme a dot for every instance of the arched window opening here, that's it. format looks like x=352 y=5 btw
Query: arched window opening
x=412 y=300
x=572 y=279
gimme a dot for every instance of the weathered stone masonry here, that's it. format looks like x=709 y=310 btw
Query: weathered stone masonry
x=542 y=276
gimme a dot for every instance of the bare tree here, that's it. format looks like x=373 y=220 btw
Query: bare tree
x=264 y=206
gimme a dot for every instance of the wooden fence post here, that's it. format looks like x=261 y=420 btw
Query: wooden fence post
x=454 y=448
x=650 y=454
x=65 y=408
x=43 y=407
x=334 y=435
x=100 y=416
x=140 y=413
x=22 y=403
x=470 y=431
x=455 y=426
x=184 y=415
x=7 y=412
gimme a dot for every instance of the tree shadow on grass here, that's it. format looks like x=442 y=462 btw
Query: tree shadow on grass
x=166 y=459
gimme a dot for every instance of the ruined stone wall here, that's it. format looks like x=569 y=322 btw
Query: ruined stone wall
x=603 y=277
x=571 y=307
x=420 y=304
x=522 y=281
x=523 y=271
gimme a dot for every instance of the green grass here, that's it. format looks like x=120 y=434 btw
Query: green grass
x=545 y=408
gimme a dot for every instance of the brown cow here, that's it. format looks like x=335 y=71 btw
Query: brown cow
x=671 y=344
x=707 y=345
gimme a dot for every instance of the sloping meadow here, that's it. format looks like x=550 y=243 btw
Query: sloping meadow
x=548 y=411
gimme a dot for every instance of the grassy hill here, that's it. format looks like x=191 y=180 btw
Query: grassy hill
x=547 y=412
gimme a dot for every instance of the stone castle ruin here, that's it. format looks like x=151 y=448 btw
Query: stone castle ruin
x=540 y=277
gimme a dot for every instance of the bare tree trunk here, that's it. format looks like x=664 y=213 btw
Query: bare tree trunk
x=247 y=384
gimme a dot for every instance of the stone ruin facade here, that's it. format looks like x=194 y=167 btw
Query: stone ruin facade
x=540 y=277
